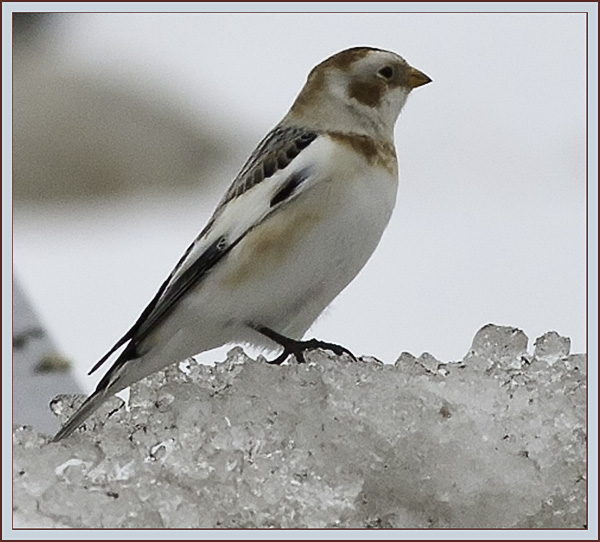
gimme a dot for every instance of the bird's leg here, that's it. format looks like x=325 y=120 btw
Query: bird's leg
x=297 y=348
x=290 y=346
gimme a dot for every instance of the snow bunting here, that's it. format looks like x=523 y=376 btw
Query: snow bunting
x=297 y=224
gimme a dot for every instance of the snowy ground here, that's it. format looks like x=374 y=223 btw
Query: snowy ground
x=495 y=441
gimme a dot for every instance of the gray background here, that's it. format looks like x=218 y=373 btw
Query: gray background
x=132 y=125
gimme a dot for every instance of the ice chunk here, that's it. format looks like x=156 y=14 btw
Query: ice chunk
x=495 y=441
x=499 y=342
x=550 y=347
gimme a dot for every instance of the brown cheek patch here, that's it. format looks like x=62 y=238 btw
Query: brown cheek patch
x=316 y=81
x=369 y=94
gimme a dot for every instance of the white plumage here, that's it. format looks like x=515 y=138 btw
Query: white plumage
x=297 y=225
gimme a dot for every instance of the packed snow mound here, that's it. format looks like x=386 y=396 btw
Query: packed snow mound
x=497 y=440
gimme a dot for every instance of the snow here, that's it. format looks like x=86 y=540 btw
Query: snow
x=496 y=440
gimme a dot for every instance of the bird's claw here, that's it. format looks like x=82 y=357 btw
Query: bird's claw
x=297 y=349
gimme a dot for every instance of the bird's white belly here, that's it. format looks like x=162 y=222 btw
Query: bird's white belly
x=290 y=267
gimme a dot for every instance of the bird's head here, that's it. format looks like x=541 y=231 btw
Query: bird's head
x=356 y=90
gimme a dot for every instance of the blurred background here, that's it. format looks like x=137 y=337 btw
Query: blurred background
x=127 y=128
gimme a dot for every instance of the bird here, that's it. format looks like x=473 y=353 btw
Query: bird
x=299 y=221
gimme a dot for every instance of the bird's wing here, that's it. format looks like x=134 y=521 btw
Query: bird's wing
x=274 y=153
x=275 y=172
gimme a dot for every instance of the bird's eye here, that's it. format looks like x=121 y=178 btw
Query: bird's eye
x=386 y=72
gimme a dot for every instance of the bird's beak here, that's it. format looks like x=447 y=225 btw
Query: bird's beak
x=417 y=78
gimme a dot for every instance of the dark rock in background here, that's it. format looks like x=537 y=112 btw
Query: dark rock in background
x=39 y=370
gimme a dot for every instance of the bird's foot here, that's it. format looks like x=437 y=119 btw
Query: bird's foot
x=292 y=347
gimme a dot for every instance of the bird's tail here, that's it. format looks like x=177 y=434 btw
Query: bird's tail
x=112 y=382
x=89 y=406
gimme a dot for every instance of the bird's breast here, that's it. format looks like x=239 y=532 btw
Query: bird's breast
x=298 y=259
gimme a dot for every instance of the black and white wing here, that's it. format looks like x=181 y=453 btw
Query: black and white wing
x=273 y=174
